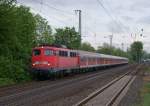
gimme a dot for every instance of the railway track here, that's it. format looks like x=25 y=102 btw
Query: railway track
x=4 y=91
x=110 y=94
x=51 y=92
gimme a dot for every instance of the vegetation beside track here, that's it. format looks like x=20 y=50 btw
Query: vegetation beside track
x=145 y=91
x=6 y=81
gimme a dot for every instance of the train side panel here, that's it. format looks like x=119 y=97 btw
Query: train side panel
x=67 y=62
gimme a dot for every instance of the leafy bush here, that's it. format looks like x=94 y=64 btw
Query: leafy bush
x=13 y=70
x=17 y=35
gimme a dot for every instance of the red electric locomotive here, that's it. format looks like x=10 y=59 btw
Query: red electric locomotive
x=48 y=60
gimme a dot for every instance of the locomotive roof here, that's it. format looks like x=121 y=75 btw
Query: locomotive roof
x=51 y=47
x=85 y=53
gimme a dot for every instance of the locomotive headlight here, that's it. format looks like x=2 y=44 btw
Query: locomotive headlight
x=33 y=64
x=48 y=64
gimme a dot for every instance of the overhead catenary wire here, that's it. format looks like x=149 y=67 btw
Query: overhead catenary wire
x=62 y=11
x=49 y=16
x=52 y=17
x=108 y=13
x=116 y=17
x=56 y=9
x=119 y=21
x=67 y=14
x=122 y=25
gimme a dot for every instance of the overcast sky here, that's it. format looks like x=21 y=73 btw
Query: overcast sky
x=100 y=18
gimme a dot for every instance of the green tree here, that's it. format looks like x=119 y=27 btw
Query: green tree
x=67 y=36
x=136 y=51
x=87 y=47
x=106 y=49
x=146 y=55
x=17 y=33
x=43 y=30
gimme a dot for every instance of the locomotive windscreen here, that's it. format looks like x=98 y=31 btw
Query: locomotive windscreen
x=36 y=52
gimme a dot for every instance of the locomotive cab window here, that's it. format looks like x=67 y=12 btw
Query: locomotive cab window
x=48 y=52
x=36 y=52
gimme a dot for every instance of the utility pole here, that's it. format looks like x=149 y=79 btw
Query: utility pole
x=79 y=29
x=110 y=37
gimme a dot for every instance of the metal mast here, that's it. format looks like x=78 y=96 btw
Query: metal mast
x=80 y=26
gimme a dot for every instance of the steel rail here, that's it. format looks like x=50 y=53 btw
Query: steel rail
x=113 y=99
x=97 y=92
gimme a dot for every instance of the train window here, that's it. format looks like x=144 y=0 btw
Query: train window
x=60 y=53
x=55 y=53
x=94 y=59
x=73 y=54
x=70 y=54
x=48 y=52
x=36 y=52
x=82 y=59
x=89 y=59
x=63 y=53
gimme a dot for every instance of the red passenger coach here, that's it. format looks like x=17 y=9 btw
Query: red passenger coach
x=49 y=60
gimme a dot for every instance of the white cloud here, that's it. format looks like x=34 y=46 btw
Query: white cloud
x=144 y=20
x=131 y=15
